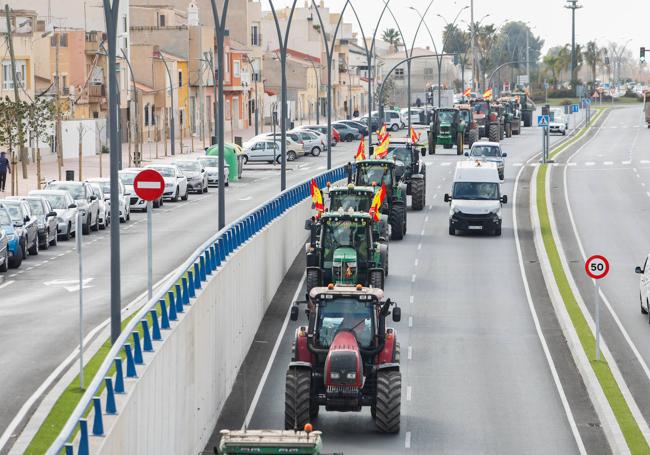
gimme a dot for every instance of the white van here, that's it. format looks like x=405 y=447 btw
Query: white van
x=475 y=201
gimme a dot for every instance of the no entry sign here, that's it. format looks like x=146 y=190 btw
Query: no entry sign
x=597 y=267
x=149 y=185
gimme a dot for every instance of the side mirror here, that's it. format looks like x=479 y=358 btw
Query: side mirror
x=72 y=206
x=466 y=153
x=504 y=154
x=397 y=314
x=51 y=214
x=447 y=197
x=504 y=199
x=638 y=270
x=294 y=313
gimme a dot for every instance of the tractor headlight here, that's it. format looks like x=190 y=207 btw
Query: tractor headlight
x=335 y=375
x=352 y=376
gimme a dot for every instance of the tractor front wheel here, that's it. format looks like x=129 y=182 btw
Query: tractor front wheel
x=460 y=143
x=417 y=194
x=473 y=137
x=313 y=279
x=493 y=133
x=508 y=130
x=388 y=401
x=396 y=220
x=297 y=398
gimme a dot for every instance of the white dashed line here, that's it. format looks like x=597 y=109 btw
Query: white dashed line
x=642 y=184
x=409 y=353
x=626 y=162
x=422 y=232
x=30 y=268
x=572 y=163
x=644 y=161
x=419 y=246
x=413 y=278
x=4 y=285
x=247 y=198
x=411 y=300
x=407 y=441
x=415 y=264
x=426 y=219
x=410 y=321
x=648 y=193
x=517 y=164
x=438 y=187
x=408 y=393
x=445 y=163
x=12 y=275
x=590 y=163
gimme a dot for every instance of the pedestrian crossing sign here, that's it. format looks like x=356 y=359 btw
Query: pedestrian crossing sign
x=543 y=120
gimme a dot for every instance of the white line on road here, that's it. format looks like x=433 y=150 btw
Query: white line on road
x=445 y=163
x=608 y=163
x=413 y=278
x=644 y=161
x=419 y=246
x=426 y=219
x=4 y=285
x=247 y=198
x=626 y=162
x=407 y=441
x=590 y=163
x=572 y=164
x=409 y=354
x=438 y=187
x=517 y=164
x=408 y=393
x=415 y=264
x=12 y=275
x=410 y=321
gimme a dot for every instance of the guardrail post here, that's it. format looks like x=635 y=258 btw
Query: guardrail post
x=111 y=408
x=213 y=256
x=190 y=282
x=217 y=254
x=208 y=261
x=119 y=375
x=130 y=364
x=69 y=449
x=83 y=437
x=164 y=317
x=98 y=424
x=137 y=349
x=179 y=298
x=202 y=267
x=147 y=346
x=197 y=276
x=155 y=328
x=172 y=306
x=186 y=292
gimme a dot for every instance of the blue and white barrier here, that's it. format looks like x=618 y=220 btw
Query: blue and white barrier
x=183 y=349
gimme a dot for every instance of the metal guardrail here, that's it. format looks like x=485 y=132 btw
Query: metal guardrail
x=170 y=299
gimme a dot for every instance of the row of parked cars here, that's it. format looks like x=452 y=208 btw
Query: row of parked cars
x=39 y=220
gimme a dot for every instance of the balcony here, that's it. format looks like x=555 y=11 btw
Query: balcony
x=96 y=92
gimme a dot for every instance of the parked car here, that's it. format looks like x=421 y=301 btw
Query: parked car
x=490 y=152
x=416 y=114
x=211 y=166
x=347 y=133
x=336 y=137
x=65 y=207
x=360 y=127
x=197 y=176
x=295 y=146
x=313 y=141
x=104 y=206
x=134 y=202
x=85 y=200
x=14 y=248
x=4 y=251
x=24 y=225
x=175 y=181
x=394 y=120
x=46 y=219
x=374 y=124
x=125 y=203
x=262 y=150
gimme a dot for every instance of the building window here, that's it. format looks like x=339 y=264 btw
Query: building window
x=161 y=20
x=180 y=79
x=152 y=109
x=7 y=80
x=235 y=68
x=428 y=72
x=255 y=36
x=124 y=24
x=62 y=37
x=146 y=115
x=399 y=73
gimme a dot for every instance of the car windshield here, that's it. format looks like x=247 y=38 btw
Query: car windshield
x=358 y=202
x=481 y=108
x=5 y=219
x=345 y=314
x=481 y=191
x=191 y=166
x=57 y=201
x=486 y=151
x=15 y=212
x=36 y=206
x=127 y=178
x=446 y=116
x=77 y=191
x=402 y=154
x=374 y=173
x=344 y=233
x=209 y=162
x=164 y=171
x=105 y=186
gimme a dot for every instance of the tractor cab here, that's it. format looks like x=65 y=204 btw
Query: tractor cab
x=270 y=442
x=471 y=127
x=480 y=110
x=345 y=358
x=448 y=130
x=359 y=199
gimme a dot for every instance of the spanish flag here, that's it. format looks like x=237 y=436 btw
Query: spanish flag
x=316 y=196
x=468 y=92
x=415 y=137
x=361 y=154
x=382 y=149
x=487 y=95
x=382 y=133
x=377 y=201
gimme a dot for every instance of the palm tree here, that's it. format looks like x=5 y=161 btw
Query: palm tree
x=551 y=62
x=592 y=56
x=392 y=37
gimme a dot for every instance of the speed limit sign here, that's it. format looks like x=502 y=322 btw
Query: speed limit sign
x=597 y=267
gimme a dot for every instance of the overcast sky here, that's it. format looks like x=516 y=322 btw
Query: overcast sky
x=602 y=20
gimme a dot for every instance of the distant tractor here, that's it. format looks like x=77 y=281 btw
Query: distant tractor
x=471 y=128
x=374 y=172
x=447 y=129
x=342 y=250
x=512 y=116
x=480 y=109
x=410 y=170
x=527 y=106
x=494 y=123
x=345 y=358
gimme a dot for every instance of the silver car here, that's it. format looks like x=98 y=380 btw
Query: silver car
x=211 y=166
x=197 y=176
x=46 y=219
x=175 y=181
x=104 y=207
x=86 y=201
x=491 y=152
x=313 y=142
x=105 y=185
x=65 y=208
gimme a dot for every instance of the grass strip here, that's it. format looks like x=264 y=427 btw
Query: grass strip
x=629 y=427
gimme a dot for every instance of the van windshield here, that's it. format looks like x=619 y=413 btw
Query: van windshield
x=477 y=191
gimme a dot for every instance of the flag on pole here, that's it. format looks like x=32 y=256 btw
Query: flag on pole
x=361 y=154
x=414 y=136
x=377 y=200
x=382 y=149
x=316 y=196
x=382 y=132
x=468 y=92
x=487 y=95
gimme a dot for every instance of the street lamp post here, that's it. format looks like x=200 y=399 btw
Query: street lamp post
x=313 y=65
x=138 y=150
x=444 y=45
x=573 y=6
x=257 y=126
x=161 y=56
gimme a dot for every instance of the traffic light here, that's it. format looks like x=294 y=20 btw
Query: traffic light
x=642 y=55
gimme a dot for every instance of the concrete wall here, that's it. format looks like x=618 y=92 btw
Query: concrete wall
x=175 y=403
x=93 y=136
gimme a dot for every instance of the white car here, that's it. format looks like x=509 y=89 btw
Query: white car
x=313 y=141
x=644 y=285
x=134 y=202
x=489 y=152
x=66 y=210
x=264 y=150
x=211 y=166
x=125 y=204
x=559 y=124
x=415 y=114
x=175 y=181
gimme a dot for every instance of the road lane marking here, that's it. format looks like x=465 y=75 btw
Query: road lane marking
x=419 y=246
x=608 y=163
x=6 y=284
x=410 y=321
x=411 y=300
x=413 y=278
x=626 y=162
x=415 y=264
x=408 y=393
x=407 y=440
x=409 y=354
x=590 y=163
x=445 y=163
x=247 y=198
x=426 y=219
x=644 y=161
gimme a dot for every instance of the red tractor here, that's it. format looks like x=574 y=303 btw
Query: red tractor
x=346 y=358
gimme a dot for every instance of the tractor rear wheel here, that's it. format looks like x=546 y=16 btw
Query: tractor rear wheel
x=297 y=398
x=388 y=401
x=473 y=137
x=493 y=133
x=313 y=279
x=527 y=117
x=460 y=143
x=508 y=130
x=376 y=279
x=396 y=221
x=418 y=195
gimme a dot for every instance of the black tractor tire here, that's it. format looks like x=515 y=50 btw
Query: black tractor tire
x=448 y=146
x=418 y=194
x=388 y=402
x=527 y=117
x=297 y=398
x=508 y=130
x=460 y=143
x=396 y=221
x=376 y=279
x=312 y=279
x=493 y=133
x=473 y=137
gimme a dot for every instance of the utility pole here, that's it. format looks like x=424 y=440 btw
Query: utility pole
x=21 y=139
x=573 y=6
x=59 y=131
x=171 y=110
x=137 y=155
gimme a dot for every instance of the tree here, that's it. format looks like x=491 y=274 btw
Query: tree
x=387 y=92
x=40 y=115
x=12 y=115
x=392 y=37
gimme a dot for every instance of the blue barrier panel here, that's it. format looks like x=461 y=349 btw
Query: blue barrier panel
x=111 y=408
x=164 y=317
x=186 y=291
x=119 y=376
x=98 y=423
x=191 y=283
x=83 y=437
x=147 y=346
x=155 y=328
x=197 y=276
x=69 y=449
x=179 y=298
x=202 y=267
x=137 y=349
x=172 y=306
x=130 y=364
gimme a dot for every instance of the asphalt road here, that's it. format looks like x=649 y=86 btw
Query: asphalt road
x=39 y=310
x=608 y=189
x=474 y=375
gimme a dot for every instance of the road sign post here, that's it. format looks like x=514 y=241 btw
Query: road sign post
x=149 y=185
x=597 y=268
x=79 y=237
x=543 y=122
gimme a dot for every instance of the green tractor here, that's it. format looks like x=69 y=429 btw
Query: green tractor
x=447 y=129
x=527 y=107
x=495 y=122
x=471 y=130
x=512 y=115
x=374 y=172
x=240 y=442
x=410 y=170
x=359 y=199
x=342 y=250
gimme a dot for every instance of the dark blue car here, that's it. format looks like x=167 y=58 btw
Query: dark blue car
x=13 y=241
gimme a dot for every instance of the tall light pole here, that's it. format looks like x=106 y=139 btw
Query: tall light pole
x=161 y=56
x=254 y=75
x=313 y=65
x=449 y=26
x=573 y=6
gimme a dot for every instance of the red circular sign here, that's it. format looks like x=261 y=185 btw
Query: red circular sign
x=149 y=185
x=597 y=266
